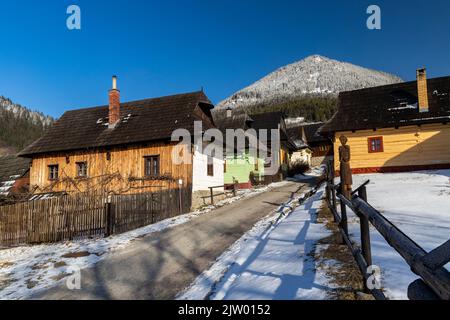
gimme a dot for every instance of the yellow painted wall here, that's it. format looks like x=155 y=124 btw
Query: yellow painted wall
x=113 y=175
x=405 y=146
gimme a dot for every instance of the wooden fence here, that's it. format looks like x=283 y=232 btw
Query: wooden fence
x=434 y=282
x=84 y=216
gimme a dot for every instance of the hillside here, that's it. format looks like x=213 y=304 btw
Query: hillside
x=307 y=88
x=19 y=126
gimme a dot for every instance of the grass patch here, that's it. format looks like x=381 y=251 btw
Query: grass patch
x=338 y=262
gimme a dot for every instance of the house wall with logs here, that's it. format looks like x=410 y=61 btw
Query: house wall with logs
x=404 y=149
x=122 y=173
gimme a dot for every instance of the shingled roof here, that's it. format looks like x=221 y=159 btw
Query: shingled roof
x=273 y=120
x=236 y=120
x=268 y=120
x=312 y=133
x=390 y=106
x=11 y=169
x=141 y=121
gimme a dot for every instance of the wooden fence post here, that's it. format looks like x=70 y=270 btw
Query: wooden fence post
x=328 y=184
x=343 y=223
x=365 y=232
x=333 y=190
x=109 y=218
x=212 y=195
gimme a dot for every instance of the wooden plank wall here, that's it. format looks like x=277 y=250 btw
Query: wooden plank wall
x=405 y=146
x=81 y=216
x=123 y=173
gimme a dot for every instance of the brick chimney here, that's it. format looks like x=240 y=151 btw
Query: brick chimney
x=114 y=104
x=422 y=90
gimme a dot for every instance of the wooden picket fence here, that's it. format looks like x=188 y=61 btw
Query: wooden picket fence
x=83 y=216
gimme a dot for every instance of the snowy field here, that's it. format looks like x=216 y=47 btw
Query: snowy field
x=26 y=270
x=273 y=261
x=419 y=204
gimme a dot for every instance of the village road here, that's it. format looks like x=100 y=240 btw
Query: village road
x=162 y=264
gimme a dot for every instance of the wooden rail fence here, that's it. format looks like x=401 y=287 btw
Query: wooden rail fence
x=225 y=192
x=434 y=282
x=83 y=216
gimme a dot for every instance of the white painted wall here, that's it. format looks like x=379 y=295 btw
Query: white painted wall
x=200 y=179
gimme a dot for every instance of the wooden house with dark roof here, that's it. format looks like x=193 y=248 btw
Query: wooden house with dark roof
x=321 y=147
x=399 y=127
x=124 y=148
x=302 y=154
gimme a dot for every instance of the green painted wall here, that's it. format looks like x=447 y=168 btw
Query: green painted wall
x=238 y=168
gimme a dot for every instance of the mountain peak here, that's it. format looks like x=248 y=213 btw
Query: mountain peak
x=314 y=75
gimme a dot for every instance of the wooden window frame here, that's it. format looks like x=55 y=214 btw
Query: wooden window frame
x=79 y=166
x=51 y=174
x=210 y=167
x=369 y=143
x=150 y=171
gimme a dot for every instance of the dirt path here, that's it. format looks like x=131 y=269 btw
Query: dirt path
x=162 y=264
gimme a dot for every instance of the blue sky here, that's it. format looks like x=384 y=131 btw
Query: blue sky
x=164 y=47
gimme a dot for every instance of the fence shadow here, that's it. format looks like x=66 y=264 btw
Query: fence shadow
x=258 y=268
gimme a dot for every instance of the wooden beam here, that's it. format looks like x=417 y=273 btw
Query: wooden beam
x=439 y=257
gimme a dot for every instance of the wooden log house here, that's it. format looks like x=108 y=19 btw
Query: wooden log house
x=124 y=148
x=393 y=128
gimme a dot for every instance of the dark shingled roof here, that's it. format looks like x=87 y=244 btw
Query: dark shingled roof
x=312 y=134
x=390 y=106
x=295 y=134
x=269 y=120
x=11 y=169
x=141 y=121
x=237 y=120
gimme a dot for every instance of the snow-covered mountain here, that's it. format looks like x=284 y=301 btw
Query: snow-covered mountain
x=315 y=75
x=37 y=118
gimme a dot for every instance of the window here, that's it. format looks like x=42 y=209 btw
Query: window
x=82 y=169
x=151 y=166
x=210 y=168
x=375 y=144
x=53 y=172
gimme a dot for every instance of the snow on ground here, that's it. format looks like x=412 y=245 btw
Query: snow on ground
x=312 y=174
x=416 y=202
x=26 y=270
x=274 y=260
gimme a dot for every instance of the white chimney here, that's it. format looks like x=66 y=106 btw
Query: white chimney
x=229 y=112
